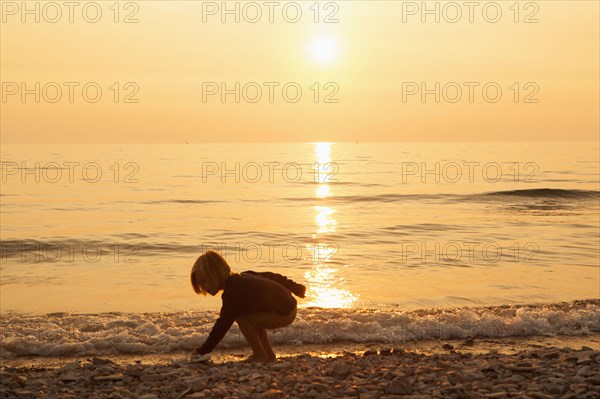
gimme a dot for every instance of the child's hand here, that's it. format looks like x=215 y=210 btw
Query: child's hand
x=198 y=358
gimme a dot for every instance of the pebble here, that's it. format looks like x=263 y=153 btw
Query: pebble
x=341 y=370
x=98 y=360
x=273 y=394
x=454 y=377
x=111 y=377
x=69 y=366
x=69 y=377
x=400 y=386
x=586 y=371
x=385 y=374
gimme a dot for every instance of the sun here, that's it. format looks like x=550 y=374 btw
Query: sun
x=324 y=50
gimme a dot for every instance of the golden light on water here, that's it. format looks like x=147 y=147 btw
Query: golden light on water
x=323 y=191
x=323 y=152
x=325 y=221
x=322 y=169
x=325 y=287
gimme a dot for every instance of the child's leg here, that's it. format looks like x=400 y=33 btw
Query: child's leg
x=254 y=327
x=264 y=340
x=252 y=335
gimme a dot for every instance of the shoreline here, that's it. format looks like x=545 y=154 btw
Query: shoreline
x=527 y=367
x=505 y=346
x=110 y=334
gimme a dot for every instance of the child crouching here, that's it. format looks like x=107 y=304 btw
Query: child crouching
x=256 y=301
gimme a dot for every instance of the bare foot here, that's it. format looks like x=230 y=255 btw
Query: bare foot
x=256 y=359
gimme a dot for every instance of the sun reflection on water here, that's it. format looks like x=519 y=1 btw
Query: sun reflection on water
x=325 y=221
x=325 y=287
x=323 y=191
x=323 y=152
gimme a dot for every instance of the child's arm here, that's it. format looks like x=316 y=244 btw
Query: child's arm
x=222 y=325
x=298 y=289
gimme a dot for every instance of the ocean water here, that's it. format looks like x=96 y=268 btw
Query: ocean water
x=108 y=234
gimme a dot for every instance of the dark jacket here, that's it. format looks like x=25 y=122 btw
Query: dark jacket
x=251 y=292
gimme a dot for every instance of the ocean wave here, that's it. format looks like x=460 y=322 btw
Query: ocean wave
x=374 y=198
x=53 y=249
x=62 y=334
x=551 y=193
x=507 y=196
x=168 y=201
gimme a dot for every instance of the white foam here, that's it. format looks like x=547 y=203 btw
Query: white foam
x=132 y=333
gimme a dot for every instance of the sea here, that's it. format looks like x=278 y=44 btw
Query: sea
x=394 y=241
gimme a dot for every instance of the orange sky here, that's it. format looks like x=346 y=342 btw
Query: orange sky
x=372 y=60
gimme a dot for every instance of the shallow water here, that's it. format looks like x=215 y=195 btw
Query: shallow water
x=116 y=228
x=62 y=334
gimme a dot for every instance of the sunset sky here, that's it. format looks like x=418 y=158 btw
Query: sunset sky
x=368 y=61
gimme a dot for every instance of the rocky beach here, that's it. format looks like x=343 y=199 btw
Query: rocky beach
x=532 y=367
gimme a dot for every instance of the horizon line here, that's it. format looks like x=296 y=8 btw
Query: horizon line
x=300 y=142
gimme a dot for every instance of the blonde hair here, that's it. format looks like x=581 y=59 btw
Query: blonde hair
x=213 y=267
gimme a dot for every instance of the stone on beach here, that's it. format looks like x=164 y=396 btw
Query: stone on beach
x=537 y=373
x=400 y=386
x=340 y=370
